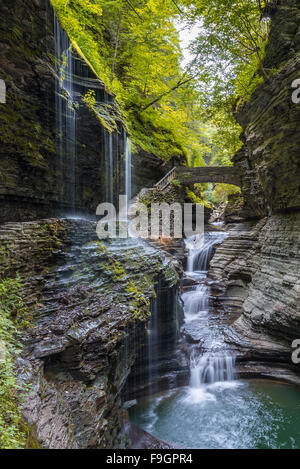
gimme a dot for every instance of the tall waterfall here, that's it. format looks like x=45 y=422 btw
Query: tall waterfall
x=109 y=161
x=65 y=117
x=128 y=169
x=216 y=365
x=109 y=166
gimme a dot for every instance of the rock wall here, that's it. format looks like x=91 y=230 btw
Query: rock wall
x=39 y=177
x=269 y=158
x=256 y=272
x=90 y=307
x=45 y=169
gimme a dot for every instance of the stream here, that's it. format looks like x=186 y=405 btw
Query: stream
x=216 y=410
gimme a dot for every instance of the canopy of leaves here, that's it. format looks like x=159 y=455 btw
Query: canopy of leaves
x=174 y=112
x=133 y=46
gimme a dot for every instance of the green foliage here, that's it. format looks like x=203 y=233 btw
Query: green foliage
x=230 y=46
x=221 y=193
x=90 y=98
x=197 y=196
x=175 y=183
x=14 y=317
x=103 y=112
x=228 y=59
x=174 y=113
x=134 y=49
x=139 y=304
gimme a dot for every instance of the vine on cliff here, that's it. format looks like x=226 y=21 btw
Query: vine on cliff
x=14 y=317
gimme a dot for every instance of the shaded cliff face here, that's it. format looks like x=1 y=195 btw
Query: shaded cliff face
x=90 y=308
x=56 y=155
x=60 y=153
x=270 y=155
x=256 y=274
x=256 y=271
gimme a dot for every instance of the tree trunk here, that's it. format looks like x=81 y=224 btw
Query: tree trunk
x=116 y=46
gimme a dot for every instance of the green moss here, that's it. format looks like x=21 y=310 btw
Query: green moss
x=49 y=236
x=31 y=442
x=112 y=266
x=21 y=132
x=139 y=303
x=14 y=317
x=137 y=291
x=116 y=270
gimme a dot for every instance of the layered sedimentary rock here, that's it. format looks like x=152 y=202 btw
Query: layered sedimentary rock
x=256 y=271
x=90 y=307
x=38 y=176
x=60 y=153
x=269 y=159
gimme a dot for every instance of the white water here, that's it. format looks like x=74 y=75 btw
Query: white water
x=200 y=250
x=209 y=369
x=65 y=116
x=215 y=365
x=128 y=170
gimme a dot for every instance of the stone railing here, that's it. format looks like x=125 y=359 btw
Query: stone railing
x=166 y=180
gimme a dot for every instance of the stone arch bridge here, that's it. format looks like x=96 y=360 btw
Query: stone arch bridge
x=212 y=174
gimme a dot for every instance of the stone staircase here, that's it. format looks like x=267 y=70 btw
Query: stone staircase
x=162 y=185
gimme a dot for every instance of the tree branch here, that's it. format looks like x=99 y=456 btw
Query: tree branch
x=117 y=45
x=179 y=84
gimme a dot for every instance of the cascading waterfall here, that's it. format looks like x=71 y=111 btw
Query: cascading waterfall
x=215 y=411
x=128 y=169
x=65 y=117
x=196 y=302
x=215 y=365
x=74 y=81
x=200 y=250
x=208 y=369
x=110 y=168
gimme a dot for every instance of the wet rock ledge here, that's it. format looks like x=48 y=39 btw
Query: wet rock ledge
x=90 y=305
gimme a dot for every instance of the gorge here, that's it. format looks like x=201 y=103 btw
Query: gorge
x=135 y=343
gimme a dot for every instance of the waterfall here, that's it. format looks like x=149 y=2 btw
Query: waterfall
x=200 y=250
x=128 y=169
x=208 y=369
x=65 y=119
x=74 y=79
x=216 y=365
x=196 y=302
x=110 y=161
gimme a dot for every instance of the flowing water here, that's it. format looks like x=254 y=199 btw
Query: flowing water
x=128 y=170
x=216 y=410
x=229 y=415
x=65 y=117
x=73 y=81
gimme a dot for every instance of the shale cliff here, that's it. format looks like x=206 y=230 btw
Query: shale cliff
x=258 y=266
x=89 y=306
x=270 y=155
x=63 y=136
